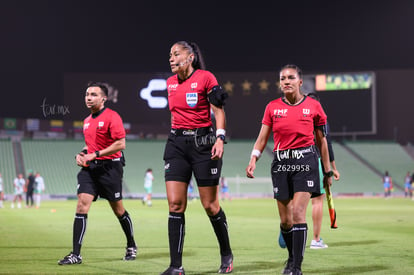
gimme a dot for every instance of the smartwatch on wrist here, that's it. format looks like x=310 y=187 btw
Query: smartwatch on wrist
x=222 y=137
x=328 y=174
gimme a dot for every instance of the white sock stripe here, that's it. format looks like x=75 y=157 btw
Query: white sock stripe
x=181 y=240
x=83 y=228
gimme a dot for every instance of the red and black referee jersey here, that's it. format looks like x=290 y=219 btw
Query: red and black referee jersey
x=101 y=130
x=293 y=126
x=188 y=103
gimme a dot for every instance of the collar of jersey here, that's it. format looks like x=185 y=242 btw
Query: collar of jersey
x=182 y=80
x=95 y=115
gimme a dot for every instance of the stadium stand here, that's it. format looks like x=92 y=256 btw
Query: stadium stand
x=385 y=156
x=360 y=164
x=54 y=160
x=7 y=165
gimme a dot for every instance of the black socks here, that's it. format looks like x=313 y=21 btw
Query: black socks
x=79 y=228
x=176 y=232
x=219 y=224
x=128 y=228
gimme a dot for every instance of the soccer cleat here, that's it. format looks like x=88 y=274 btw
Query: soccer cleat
x=130 y=254
x=318 y=244
x=288 y=267
x=296 y=271
x=226 y=266
x=174 y=271
x=282 y=242
x=71 y=259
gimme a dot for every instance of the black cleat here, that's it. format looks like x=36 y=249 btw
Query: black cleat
x=173 y=271
x=296 y=271
x=288 y=267
x=130 y=254
x=226 y=266
x=71 y=259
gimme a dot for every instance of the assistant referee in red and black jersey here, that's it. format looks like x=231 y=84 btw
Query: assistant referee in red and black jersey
x=193 y=147
x=297 y=121
x=101 y=175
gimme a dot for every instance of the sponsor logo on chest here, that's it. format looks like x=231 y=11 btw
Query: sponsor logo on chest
x=280 y=113
x=191 y=99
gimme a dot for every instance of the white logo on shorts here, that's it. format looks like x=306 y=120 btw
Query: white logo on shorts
x=310 y=183
x=214 y=171
x=117 y=195
x=276 y=190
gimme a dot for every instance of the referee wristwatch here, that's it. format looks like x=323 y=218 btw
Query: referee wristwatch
x=97 y=154
x=328 y=174
x=222 y=137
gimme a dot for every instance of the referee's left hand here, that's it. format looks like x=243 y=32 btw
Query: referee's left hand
x=217 y=150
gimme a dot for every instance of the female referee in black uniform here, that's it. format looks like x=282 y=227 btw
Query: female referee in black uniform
x=193 y=147
x=295 y=169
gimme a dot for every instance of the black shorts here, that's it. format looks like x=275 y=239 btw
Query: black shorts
x=295 y=170
x=102 y=178
x=187 y=154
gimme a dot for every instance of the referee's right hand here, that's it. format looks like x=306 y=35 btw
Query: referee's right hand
x=81 y=160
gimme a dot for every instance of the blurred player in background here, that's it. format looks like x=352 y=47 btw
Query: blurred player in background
x=408 y=191
x=101 y=175
x=317 y=201
x=148 y=179
x=192 y=147
x=18 y=184
x=1 y=192
x=297 y=121
x=224 y=186
x=387 y=183
x=39 y=187
x=29 y=189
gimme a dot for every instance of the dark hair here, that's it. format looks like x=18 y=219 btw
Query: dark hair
x=192 y=47
x=294 y=67
x=314 y=96
x=101 y=85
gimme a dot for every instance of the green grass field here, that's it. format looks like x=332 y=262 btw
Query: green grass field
x=375 y=236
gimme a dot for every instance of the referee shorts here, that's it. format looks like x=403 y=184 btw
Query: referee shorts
x=187 y=154
x=295 y=170
x=103 y=178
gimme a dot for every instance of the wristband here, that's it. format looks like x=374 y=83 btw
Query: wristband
x=97 y=154
x=256 y=153
x=220 y=132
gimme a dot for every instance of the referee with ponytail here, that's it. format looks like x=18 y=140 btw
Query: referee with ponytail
x=194 y=147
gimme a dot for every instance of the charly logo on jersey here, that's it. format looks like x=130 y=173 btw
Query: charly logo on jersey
x=193 y=86
x=86 y=126
x=191 y=99
x=280 y=112
x=100 y=124
x=306 y=112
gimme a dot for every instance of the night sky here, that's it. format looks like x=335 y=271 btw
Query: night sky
x=41 y=40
